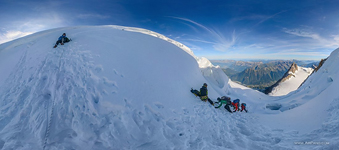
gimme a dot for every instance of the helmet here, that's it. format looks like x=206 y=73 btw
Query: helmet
x=205 y=84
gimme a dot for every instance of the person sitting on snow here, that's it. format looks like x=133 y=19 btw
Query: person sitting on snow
x=224 y=100
x=62 y=39
x=204 y=93
x=243 y=107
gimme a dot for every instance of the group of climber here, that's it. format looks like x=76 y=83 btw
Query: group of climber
x=235 y=104
x=203 y=94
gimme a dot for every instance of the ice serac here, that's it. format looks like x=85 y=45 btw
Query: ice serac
x=291 y=80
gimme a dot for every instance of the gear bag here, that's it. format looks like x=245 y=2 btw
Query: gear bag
x=236 y=101
x=227 y=99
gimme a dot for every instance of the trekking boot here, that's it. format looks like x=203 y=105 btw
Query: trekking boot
x=62 y=43
x=55 y=46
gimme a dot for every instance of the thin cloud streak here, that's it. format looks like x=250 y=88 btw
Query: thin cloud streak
x=11 y=35
x=95 y=16
x=203 y=41
x=29 y=26
x=221 y=43
x=302 y=33
x=317 y=40
x=270 y=17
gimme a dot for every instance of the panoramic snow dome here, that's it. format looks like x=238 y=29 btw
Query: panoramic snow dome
x=114 y=87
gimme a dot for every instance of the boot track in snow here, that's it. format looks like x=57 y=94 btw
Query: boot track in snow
x=49 y=118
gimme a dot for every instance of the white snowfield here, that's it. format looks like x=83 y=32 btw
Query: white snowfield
x=110 y=88
x=292 y=83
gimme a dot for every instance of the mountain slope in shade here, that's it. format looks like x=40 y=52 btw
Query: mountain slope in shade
x=291 y=80
x=264 y=74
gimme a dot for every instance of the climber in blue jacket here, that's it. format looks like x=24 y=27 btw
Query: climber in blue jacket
x=62 y=39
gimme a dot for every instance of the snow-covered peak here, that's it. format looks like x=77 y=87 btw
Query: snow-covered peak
x=292 y=79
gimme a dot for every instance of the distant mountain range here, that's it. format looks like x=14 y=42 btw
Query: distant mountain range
x=259 y=75
x=235 y=66
x=263 y=75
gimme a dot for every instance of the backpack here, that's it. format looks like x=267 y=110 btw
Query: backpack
x=227 y=99
x=203 y=91
x=243 y=104
x=229 y=102
x=236 y=101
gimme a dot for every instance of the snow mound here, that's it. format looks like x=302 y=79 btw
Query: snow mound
x=110 y=83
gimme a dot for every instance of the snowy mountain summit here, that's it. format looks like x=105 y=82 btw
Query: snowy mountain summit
x=291 y=80
x=116 y=87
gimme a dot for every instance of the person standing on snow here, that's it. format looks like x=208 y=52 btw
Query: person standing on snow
x=62 y=39
x=204 y=94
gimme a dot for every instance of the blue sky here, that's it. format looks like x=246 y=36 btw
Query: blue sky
x=216 y=29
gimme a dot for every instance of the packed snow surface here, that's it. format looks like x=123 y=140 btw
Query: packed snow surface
x=292 y=83
x=116 y=87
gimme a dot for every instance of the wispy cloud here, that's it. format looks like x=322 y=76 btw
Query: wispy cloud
x=19 y=28
x=11 y=35
x=224 y=45
x=267 y=18
x=335 y=40
x=202 y=41
x=299 y=53
x=302 y=33
x=250 y=17
x=316 y=39
x=91 y=16
x=219 y=42
x=254 y=17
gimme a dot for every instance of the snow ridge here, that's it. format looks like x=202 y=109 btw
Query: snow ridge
x=291 y=81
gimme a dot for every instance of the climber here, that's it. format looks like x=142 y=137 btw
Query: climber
x=62 y=39
x=204 y=94
x=235 y=104
x=224 y=100
x=243 y=107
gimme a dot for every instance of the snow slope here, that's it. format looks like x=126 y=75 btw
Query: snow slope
x=292 y=83
x=313 y=106
x=111 y=88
